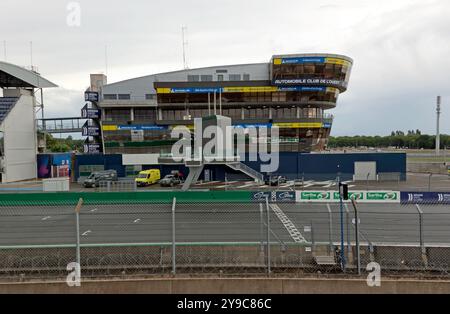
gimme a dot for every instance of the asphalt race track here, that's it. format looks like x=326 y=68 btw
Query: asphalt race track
x=220 y=223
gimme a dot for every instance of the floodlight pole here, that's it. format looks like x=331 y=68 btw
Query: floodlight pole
x=438 y=135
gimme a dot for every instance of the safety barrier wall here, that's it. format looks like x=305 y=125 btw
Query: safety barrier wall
x=124 y=197
x=359 y=196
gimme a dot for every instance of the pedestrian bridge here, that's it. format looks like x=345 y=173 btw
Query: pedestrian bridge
x=61 y=125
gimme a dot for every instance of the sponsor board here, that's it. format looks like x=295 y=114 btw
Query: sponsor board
x=360 y=196
x=91 y=96
x=294 y=125
x=320 y=196
x=425 y=197
x=309 y=81
x=382 y=196
x=302 y=60
x=92 y=148
x=246 y=89
x=90 y=131
x=90 y=113
x=274 y=197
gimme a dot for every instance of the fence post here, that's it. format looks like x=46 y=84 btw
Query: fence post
x=422 y=244
x=330 y=229
x=108 y=186
x=347 y=222
x=429 y=182
x=268 y=236
x=358 y=254
x=261 y=228
x=78 y=251
x=174 y=264
x=313 y=241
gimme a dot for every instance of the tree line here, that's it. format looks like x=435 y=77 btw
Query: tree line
x=63 y=145
x=412 y=139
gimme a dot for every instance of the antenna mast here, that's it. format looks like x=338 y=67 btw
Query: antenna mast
x=31 y=55
x=185 y=43
x=438 y=135
x=106 y=60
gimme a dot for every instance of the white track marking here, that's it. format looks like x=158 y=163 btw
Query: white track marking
x=137 y=220
x=94 y=210
x=246 y=185
x=86 y=233
x=309 y=185
x=221 y=186
x=209 y=182
x=45 y=218
x=290 y=227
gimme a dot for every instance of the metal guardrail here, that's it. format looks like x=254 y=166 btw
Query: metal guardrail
x=123 y=185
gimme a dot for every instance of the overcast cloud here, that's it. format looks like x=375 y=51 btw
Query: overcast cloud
x=401 y=48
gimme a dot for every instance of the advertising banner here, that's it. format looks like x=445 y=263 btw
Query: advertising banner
x=425 y=198
x=301 y=60
x=274 y=196
x=141 y=127
x=91 y=148
x=360 y=196
x=312 y=81
x=245 y=89
x=53 y=165
x=90 y=130
x=91 y=96
x=90 y=113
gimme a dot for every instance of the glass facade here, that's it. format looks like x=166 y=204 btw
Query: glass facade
x=295 y=97
x=328 y=95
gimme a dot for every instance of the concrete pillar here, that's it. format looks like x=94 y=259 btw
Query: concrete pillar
x=160 y=114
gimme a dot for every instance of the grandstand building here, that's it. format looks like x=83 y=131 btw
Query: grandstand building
x=292 y=92
x=18 y=103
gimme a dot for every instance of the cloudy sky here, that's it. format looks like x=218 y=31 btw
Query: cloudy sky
x=401 y=48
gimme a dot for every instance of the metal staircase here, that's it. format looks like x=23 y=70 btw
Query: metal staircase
x=252 y=173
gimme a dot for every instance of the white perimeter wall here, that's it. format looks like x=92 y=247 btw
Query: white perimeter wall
x=139 y=159
x=20 y=141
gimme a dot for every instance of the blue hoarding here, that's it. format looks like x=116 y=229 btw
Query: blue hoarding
x=425 y=197
x=141 y=127
x=301 y=60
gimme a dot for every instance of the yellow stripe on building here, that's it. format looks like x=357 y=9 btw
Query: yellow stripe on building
x=190 y=127
x=277 y=61
x=337 y=61
x=299 y=125
x=332 y=90
x=109 y=128
x=163 y=90
x=250 y=89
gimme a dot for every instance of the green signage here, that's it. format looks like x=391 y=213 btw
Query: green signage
x=381 y=196
x=316 y=196
x=351 y=195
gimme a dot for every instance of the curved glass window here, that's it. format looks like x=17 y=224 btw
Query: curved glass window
x=304 y=97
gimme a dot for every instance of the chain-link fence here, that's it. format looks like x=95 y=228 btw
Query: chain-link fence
x=39 y=240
